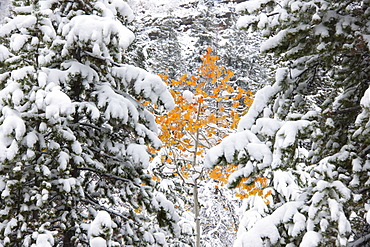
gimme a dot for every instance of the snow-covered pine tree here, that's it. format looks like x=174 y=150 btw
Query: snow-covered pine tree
x=162 y=45
x=73 y=134
x=239 y=50
x=210 y=20
x=160 y=36
x=308 y=132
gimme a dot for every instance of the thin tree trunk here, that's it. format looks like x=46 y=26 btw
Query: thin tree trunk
x=196 y=214
x=195 y=189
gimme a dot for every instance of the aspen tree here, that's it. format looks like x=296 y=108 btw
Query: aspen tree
x=207 y=108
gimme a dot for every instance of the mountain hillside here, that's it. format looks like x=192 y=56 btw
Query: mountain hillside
x=171 y=36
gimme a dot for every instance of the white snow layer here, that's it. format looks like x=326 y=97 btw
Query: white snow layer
x=110 y=8
x=247 y=143
x=98 y=242
x=311 y=239
x=4 y=53
x=79 y=30
x=57 y=103
x=20 y=22
x=239 y=143
x=286 y=137
x=245 y=20
x=12 y=125
x=250 y=6
x=139 y=154
x=285 y=184
x=188 y=96
x=365 y=100
x=150 y=85
x=116 y=106
x=44 y=238
x=101 y=225
x=267 y=226
x=261 y=100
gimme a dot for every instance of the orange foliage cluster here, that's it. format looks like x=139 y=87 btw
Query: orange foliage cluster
x=195 y=125
x=180 y=126
x=257 y=188
x=222 y=174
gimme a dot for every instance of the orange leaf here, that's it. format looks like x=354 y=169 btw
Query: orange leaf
x=236 y=104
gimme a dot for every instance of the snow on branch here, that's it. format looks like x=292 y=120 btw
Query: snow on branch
x=267 y=227
x=236 y=146
x=360 y=242
x=106 y=32
x=149 y=85
x=261 y=100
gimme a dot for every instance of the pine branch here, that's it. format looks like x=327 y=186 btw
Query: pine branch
x=93 y=126
x=361 y=191
x=105 y=59
x=365 y=152
x=102 y=154
x=360 y=242
x=104 y=208
x=346 y=110
x=127 y=96
x=101 y=174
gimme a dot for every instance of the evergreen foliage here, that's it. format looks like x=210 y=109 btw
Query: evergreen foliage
x=73 y=134
x=173 y=36
x=78 y=126
x=307 y=132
